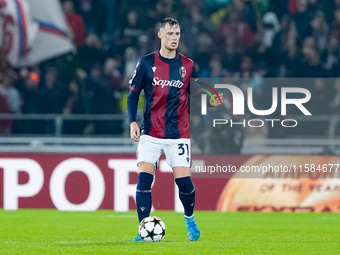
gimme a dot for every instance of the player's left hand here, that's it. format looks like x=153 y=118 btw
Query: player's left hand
x=211 y=101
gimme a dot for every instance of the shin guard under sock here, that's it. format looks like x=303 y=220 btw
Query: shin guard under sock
x=143 y=195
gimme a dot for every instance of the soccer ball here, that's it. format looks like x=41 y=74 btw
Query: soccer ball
x=151 y=229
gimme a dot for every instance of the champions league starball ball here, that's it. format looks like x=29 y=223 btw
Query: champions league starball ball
x=151 y=229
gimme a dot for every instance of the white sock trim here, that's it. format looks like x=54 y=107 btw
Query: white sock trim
x=189 y=217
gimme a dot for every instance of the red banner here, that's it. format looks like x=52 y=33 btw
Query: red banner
x=90 y=182
x=82 y=182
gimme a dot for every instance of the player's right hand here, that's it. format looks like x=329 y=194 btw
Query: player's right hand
x=134 y=131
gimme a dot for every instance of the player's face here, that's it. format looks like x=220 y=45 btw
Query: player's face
x=170 y=37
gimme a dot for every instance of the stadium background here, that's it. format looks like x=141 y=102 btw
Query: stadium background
x=76 y=102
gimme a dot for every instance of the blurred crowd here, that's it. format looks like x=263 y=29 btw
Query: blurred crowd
x=253 y=39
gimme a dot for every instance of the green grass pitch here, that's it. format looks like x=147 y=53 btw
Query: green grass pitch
x=108 y=232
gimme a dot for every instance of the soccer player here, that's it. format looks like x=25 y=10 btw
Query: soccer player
x=164 y=76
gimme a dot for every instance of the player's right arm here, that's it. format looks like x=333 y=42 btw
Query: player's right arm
x=136 y=85
x=134 y=131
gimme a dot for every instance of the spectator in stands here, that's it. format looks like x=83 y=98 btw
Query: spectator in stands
x=204 y=51
x=12 y=94
x=331 y=56
x=328 y=7
x=90 y=53
x=320 y=31
x=111 y=21
x=246 y=73
x=292 y=6
x=247 y=69
x=270 y=27
x=302 y=20
x=231 y=54
x=130 y=61
x=292 y=51
x=234 y=26
x=143 y=46
x=55 y=95
x=101 y=101
x=75 y=22
x=130 y=30
x=307 y=45
x=76 y=103
x=94 y=14
x=244 y=12
x=215 y=69
x=54 y=91
x=5 y=124
x=34 y=101
x=113 y=77
x=263 y=6
x=313 y=7
x=145 y=9
x=164 y=8
x=336 y=23
x=278 y=52
x=309 y=64
x=192 y=24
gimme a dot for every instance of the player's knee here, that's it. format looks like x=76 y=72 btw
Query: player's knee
x=146 y=167
x=185 y=185
x=180 y=172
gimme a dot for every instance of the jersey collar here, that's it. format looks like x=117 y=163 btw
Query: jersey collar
x=167 y=60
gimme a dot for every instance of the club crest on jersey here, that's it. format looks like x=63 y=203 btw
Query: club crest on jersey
x=182 y=71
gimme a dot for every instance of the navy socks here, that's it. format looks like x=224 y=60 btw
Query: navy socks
x=186 y=194
x=143 y=195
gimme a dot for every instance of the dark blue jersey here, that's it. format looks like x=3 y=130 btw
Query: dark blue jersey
x=166 y=87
